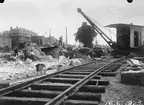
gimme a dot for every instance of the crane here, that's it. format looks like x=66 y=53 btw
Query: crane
x=111 y=43
x=118 y=49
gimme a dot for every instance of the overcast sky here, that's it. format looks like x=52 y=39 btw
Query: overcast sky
x=42 y=15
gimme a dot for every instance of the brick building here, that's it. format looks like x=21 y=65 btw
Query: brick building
x=20 y=35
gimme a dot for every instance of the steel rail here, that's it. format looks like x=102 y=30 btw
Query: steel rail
x=74 y=88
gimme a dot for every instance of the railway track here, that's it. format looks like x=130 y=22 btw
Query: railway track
x=80 y=85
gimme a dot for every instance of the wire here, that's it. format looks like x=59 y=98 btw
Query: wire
x=101 y=25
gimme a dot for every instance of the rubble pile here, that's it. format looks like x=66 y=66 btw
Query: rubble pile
x=18 y=68
x=133 y=73
x=32 y=52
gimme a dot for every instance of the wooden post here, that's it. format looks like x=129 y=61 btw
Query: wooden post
x=66 y=36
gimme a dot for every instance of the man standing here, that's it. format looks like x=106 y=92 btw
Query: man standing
x=61 y=41
x=16 y=51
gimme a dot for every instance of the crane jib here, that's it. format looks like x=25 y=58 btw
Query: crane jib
x=100 y=32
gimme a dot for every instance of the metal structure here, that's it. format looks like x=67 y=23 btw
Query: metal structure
x=100 y=32
x=118 y=49
x=80 y=85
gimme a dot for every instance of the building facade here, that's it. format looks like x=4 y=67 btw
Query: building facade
x=20 y=35
x=5 y=41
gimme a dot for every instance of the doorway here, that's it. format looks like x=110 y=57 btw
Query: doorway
x=136 y=39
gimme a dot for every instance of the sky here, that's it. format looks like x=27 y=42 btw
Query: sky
x=41 y=16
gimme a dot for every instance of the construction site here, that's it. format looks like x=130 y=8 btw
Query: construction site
x=38 y=69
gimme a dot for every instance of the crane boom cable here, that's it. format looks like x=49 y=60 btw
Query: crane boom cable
x=96 y=22
x=99 y=30
x=105 y=35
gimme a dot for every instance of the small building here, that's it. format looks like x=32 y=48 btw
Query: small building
x=39 y=40
x=129 y=35
x=51 y=40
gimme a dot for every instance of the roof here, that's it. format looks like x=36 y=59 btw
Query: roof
x=122 y=25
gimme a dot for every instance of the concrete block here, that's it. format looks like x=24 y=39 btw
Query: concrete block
x=132 y=77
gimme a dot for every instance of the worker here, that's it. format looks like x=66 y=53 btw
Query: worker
x=61 y=41
x=16 y=51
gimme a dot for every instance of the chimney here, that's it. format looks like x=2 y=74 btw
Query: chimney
x=11 y=28
x=131 y=23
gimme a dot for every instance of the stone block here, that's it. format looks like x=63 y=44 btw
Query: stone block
x=132 y=77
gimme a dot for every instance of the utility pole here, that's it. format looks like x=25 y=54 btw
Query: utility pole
x=50 y=35
x=66 y=36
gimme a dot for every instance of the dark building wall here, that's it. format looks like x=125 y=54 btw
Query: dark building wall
x=5 y=41
x=123 y=37
x=39 y=40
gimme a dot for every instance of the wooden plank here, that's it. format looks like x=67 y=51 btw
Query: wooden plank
x=67 y=102
x=74 y=80
x=51 y=94
x=76 y=76
x=79 y=102
x=62 y=87
x=6 y=98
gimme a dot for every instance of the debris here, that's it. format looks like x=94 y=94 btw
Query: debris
x=40 y=67
x=20 y=62
x=32 y=53
x=50 y=58
x=53 y=51
x=5 y=62
x=98 y=59
x=52 y=67
x=75 y=62
x=28 y=60
x=8 y=57
x=135 y=62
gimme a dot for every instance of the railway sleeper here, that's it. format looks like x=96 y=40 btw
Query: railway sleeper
x=75 y=76
x=78 y=73
x=41 y=101
x=93 y=66
x=61 y=87
x=51 y=94
x=87 y=73
x=85 y=70
x=5 y=100
x=113 y=67
x=79 y=102
x=108 y=74
x=74 y=80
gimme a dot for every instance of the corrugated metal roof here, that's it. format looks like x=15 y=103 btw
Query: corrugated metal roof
x=122 y=25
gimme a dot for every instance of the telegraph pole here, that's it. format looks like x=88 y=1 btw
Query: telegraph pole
x=66 y=36
x=50 y=35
